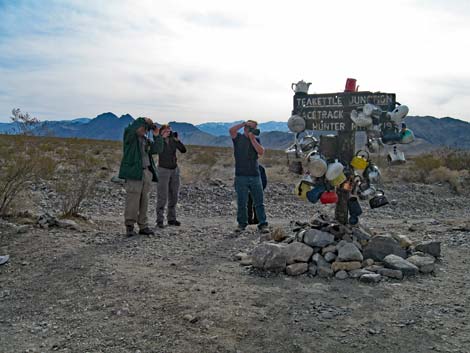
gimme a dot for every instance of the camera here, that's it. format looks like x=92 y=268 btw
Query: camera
x=254 y=131
x=173 y=134
x=151 y=126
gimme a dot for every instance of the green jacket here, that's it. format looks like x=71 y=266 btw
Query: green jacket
x=131 y=164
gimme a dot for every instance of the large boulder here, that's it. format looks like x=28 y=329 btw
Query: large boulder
x=297 y=252
x=424 y=263
x=379 y=247
x=317 y=238
x=398 y=263
x=270 y=257
x=349 y=252
x=430 y=247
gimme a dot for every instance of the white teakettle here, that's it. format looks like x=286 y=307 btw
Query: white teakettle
x=361 y=119
x=334 y=170
x=301 y=86
x=317 y=164
x=398 y=114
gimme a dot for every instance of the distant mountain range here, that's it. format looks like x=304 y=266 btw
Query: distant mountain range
x=430 y=132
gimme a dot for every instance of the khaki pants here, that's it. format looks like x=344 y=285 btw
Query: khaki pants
x=167 y=191
x=137 y=200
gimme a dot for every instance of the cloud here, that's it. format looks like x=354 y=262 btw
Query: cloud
x=214 y=60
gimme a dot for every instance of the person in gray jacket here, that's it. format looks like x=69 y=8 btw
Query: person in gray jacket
x=169 y=177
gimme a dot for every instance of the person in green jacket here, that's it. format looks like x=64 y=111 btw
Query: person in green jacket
x=139 y=171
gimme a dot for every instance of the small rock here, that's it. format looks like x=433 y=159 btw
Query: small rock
x=317 y=238
x=349 y=252
x=424 y=263
x=330 y=257
x=246 y=261
x=312 y=269
x=297 y=252
x=22 y=229
x=370 y=278
x=190 y=318
x=240 y=255
x=325 y=272
x=358 y=273
x=67 y=223
x=329 y=248
x=431 y=247
x=398 y=263
x=403 y=240
x=341 y=275
x=387 y=272
x=278 y=234
x=297 y=268
x=367 y=262
x=345 y=266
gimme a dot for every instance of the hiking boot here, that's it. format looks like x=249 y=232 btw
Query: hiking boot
x=240 y=229
x=146 y=231
x=174 y=223
x=263 y=228
x=130 y=232
x=160 y=225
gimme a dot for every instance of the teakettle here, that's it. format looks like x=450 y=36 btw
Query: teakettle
x=407 y=136
x=317 y=164
x=296 y=123
x=372 y=173
x=329 y=197
x=308 y=143
x=378 y=200
x=366 y=191
x=301 y=189
x=360 y=160
x=371 y=110
x=361 y=119
x=334 y=170
x=301 y=86
x=314 y=195
x=341 y=178
x=354 y=207
x=398 y=114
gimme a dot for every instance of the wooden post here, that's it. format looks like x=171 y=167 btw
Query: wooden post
x=346 y=148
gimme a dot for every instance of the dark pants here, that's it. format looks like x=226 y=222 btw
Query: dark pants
x=245 y=185
x=252 y=218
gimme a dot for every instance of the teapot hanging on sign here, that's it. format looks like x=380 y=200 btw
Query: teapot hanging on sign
x=360 y=160
x=378 y=200
x=301 y=86
x=317 y=164
x=329 y=197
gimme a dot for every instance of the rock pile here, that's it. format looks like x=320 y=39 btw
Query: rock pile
x=325 y=249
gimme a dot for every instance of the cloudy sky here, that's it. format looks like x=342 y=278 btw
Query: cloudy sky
x=204 y=60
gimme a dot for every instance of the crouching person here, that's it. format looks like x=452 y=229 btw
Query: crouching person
x=139 y=171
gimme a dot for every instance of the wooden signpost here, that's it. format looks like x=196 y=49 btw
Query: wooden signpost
x=331 y=112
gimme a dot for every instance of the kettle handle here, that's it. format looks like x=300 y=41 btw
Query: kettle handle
x=363 y=151
x=379 y=191
x=292 y=86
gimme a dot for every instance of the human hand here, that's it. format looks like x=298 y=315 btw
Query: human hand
x=156 y=131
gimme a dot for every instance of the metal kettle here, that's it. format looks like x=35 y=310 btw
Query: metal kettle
x=301 y=86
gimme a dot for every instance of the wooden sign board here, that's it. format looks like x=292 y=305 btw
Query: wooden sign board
x=331 y=111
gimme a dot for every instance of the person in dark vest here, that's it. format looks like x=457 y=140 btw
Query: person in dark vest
x=139 y=171
x=169 y=174
x=247 y=148
x=252 y=218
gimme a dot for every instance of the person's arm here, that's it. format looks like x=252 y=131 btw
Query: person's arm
x=131 y=130
x=157 y=145
x=257 y=146
x=179 y=145
x=234 y=129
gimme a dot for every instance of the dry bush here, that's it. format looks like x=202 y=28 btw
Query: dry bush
x=444 y=174
x=21 y=163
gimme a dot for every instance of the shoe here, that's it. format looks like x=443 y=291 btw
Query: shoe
x=174 y=223
x=146 y=231
x=240 y=229
x=130 y=232
x=160 y=225
x=263 y=229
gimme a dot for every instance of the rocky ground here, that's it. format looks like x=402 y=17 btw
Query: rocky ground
x=84 y=287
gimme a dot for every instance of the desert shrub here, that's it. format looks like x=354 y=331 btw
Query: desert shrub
x=21 y=163
x=457 y=160
x=427 y=162
x=76 y=182
x=444 y=174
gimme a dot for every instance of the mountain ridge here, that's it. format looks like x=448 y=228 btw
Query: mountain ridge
x=431 y=132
